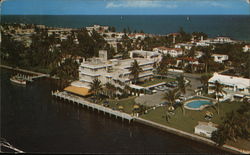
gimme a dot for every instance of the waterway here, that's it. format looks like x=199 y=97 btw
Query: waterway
x=31 y=120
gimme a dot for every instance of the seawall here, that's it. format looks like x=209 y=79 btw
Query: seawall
x=188 y=135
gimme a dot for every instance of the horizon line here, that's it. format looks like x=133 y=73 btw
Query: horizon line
x=123 y=14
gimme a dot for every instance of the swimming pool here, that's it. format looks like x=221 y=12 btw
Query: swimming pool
x=197 y=104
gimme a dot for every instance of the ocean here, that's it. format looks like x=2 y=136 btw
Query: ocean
x=234 y=26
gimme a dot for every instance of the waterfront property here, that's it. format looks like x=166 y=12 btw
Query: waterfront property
x=233 y=85
x=113 y=71
x=205 y=129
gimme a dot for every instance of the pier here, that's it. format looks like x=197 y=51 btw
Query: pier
x=84 y=103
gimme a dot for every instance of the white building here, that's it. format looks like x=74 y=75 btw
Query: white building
x=220 y=57
x=223 y=40
x=137 y=35
x=145 y=54
x=186 y=46
x=205 y=129
x=113 y=71
x=232 y=85
x=173 y=52
x=246 y=48
x=202 y=43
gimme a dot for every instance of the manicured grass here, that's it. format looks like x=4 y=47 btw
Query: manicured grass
x=188 y=121
x=127 y=104
x=156 y=81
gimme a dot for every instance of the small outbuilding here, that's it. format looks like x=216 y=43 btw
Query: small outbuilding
x=205 y=129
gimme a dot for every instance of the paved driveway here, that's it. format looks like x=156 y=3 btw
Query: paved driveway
x=157 y=98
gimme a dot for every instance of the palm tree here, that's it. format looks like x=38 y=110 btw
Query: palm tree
x=96 y=88
x=182 y=84
x=135 y=70
x=231 y=127
x=206 y=58
x=110 y=90
x=192 y=54
x=218 y=89
x=171 y=96
x=204 y=80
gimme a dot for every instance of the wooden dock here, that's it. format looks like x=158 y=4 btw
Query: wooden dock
x=84 y=103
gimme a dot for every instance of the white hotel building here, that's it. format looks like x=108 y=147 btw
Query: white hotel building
x=234 y=86
x=113 y=71
x=173 y=52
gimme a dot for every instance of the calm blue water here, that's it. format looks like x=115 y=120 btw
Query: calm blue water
x=198 y=103
x=235 y=26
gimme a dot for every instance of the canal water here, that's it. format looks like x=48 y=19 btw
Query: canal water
x=34 y=122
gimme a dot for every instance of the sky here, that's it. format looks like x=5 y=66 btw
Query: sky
x=125 y=7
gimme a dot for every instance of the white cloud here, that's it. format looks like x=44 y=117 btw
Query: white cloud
x=139 y=4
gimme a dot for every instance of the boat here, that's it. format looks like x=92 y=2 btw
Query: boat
x=188 y=18
x=18 y=80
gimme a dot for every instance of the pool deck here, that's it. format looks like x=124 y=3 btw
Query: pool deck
x=201 y=98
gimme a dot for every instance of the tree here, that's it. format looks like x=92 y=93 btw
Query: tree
x=171 y=96
x=162 y=68
x=206 y=58
x=218 y=89
x=230 y=126
x=204 y=81
x=110 y=90
x=135 y=70
x=234 y=126
x=96 y=88
x=218 y=137
x=181 y=84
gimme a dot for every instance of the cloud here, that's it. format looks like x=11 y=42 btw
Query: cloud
x=139 y=4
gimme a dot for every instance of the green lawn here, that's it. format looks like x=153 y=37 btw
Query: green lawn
x=127 y=104
x=155 y=81
x=188 y=121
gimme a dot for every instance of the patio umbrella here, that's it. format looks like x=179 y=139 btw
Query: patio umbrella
x=208 y=113
x=136 y=106
x=120 y=107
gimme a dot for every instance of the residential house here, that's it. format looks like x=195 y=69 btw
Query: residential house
x=220 y=57
x=233 y=85
x=173 y=52
x=246 y=48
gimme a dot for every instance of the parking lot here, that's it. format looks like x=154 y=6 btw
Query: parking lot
x=158 y=92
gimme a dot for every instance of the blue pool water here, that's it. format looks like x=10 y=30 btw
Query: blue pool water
x=198 y=103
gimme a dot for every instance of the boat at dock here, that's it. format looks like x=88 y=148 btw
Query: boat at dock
x=17 y=79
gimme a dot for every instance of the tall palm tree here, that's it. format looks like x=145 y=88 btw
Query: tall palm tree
x=171 y=96
x=204 y=81
x=181 y=84
x=96 y=88
x=192 y=55
x=135 y=70
x=110 y=90
x=207 y=58
x=218 y=89
x=231 y=127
